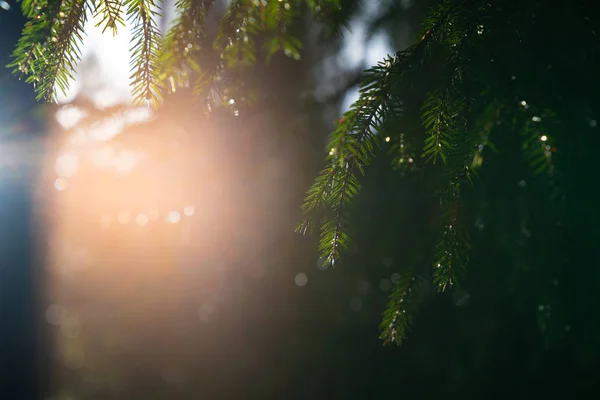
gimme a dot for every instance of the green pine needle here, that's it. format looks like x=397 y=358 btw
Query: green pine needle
x=142 y=15
x=397 y=318
x=110 y=15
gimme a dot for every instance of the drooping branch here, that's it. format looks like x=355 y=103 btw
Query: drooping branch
x=142 y=15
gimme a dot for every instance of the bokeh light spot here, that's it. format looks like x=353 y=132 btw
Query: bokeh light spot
x=301 y=279
x=70 y=328
x=74 y=358
x=55 y=314
x=173 y=217
x=188 y=211
x=60 y=184
x=141 y=219
x=66 y=165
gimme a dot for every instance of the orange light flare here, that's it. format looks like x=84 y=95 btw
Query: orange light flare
x=154 y=237
x=140 y=217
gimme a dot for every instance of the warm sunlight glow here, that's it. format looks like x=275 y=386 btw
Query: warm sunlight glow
x=67 y=165
x=107 y=82
x=141 y=219
x=123 y=217
x=173 y=217
x=125 y=161
x=60 y=184
x=188 y=211
x=69 y=116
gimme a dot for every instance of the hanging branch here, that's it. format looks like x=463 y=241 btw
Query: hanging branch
x=48 y=49
x=437 y=116
x=278 y=17
x=452 y=246
x=30 y=55
x=63 y=51
x=446 y=118
x=184 y=46
x=109 y=12
x=236 y=34
x=142 y=15
x=352 y=146
x=397 y=318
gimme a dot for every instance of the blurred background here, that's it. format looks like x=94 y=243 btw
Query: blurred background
x=152 y=255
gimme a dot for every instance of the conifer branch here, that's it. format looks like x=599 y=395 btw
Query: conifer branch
x=142 y=15
x=279 y=15
x=437 y=117
x=351 y=147
x=398 y=315
x=446 y=116
x=451 y=253
x=63 y=50
x=185 y=45
x=29 y=56
x=110 y=15
x=236 y=34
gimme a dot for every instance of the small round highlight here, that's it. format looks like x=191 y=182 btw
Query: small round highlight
x=173 y=217
x=301 y=279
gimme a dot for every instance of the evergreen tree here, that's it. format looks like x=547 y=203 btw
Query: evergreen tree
x=494 y=107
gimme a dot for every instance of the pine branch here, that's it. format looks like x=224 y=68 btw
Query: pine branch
x=451 y=253
x=352 y=146
x=446 y=115
x=437 y=117
x=278 y=17
x=397 y=318
x=402 y=148
x=142 y=15
x=62 y=52
x=332 y=14
x=184 y=46
x=110 y=14
x=236 y=34
x=29 y=56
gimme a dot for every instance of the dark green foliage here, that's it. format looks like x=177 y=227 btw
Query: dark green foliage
x=466 y=99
